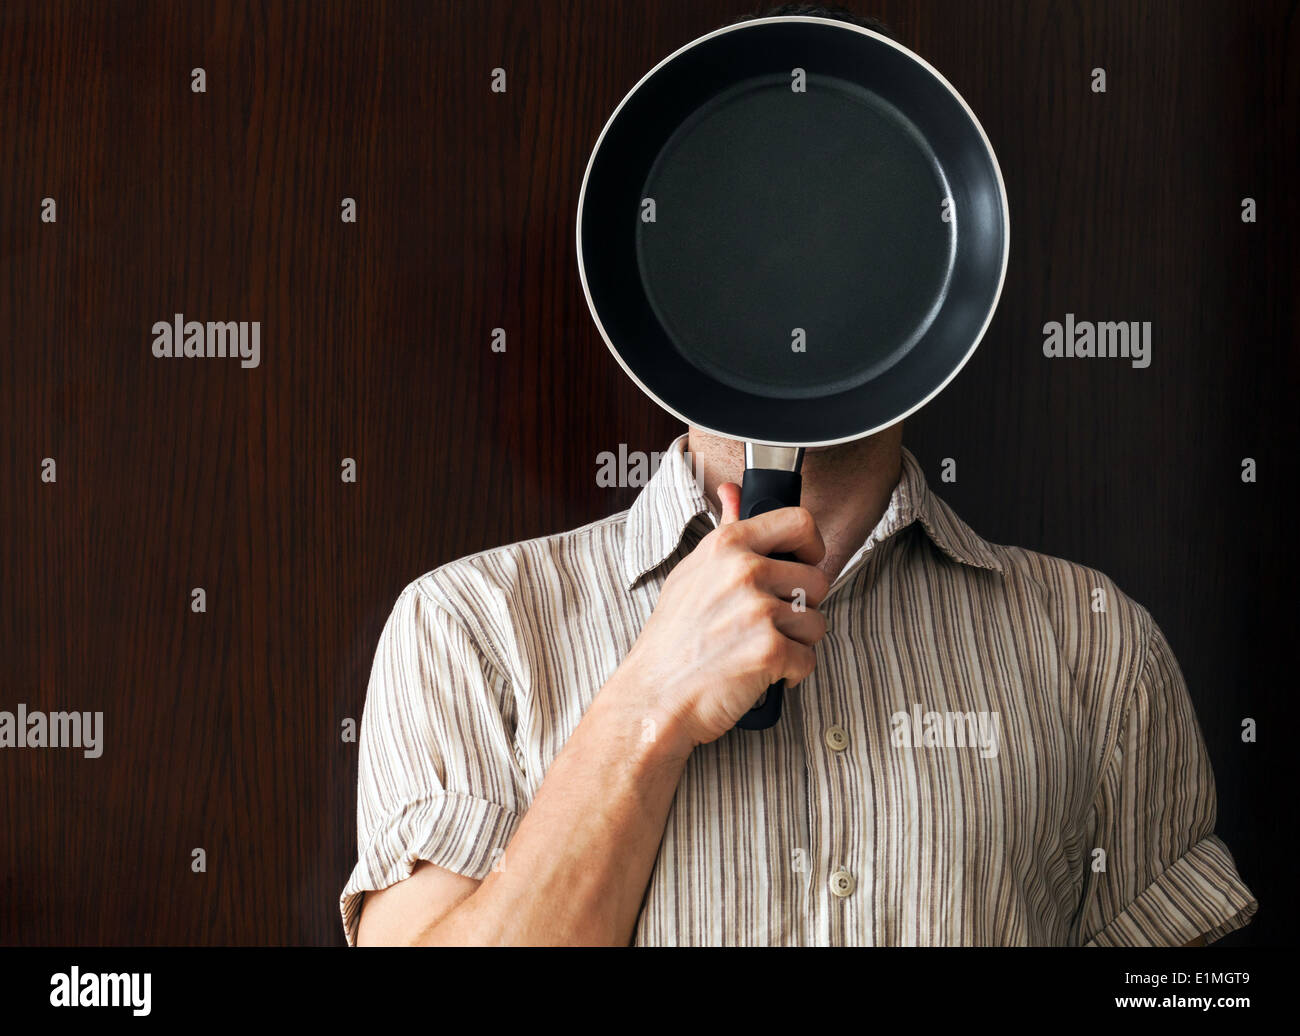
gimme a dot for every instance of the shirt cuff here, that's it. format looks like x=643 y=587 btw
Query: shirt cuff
x=1200 y=894
x=457 y=832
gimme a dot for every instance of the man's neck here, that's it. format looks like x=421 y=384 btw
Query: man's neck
x=847 y=487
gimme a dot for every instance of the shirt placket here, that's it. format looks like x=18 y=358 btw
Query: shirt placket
x=837 y=805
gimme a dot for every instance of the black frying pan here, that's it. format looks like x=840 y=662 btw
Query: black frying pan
x=787 y=267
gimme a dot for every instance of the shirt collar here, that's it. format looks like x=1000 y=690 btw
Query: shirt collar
x=661 y=512
x=673 y=498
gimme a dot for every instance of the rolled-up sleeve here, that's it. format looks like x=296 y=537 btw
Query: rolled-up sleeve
x=1167 y=878
x=438 y=776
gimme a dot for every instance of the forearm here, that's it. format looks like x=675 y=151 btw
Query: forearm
x=578 y=865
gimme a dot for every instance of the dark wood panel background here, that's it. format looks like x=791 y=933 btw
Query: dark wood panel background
x=223 y=729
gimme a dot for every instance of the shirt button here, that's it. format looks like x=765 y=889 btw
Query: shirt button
x=837 y=738
x=842 y=884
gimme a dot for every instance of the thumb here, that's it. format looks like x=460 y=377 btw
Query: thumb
x=729 y=496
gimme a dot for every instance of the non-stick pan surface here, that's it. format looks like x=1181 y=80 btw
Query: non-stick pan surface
x=820 y=262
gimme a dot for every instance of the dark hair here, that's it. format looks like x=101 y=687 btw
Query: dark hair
x=837 y=12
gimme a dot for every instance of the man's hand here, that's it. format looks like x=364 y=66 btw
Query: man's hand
x=581 y=858
x=725 y=626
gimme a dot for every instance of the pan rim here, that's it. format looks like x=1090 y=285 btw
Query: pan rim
x=997 y=171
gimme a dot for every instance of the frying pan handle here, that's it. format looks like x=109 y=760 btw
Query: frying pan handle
x=762 y=490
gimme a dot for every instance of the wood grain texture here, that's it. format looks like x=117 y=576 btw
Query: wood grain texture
x=222 y=730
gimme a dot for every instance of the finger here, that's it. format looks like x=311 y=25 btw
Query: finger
x=805 y=627
x=799 y=662
x=785 y=579
x=729 y=494
x=787 y=530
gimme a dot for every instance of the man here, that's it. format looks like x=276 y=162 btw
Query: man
x=981 y=744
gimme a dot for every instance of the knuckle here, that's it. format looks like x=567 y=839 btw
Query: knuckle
x=749 y=570
x=806 y=662
x=805 y=524
x=760 y=609
x=818 y=585
x=772 y=653
x=729 y=538
x=819 y=624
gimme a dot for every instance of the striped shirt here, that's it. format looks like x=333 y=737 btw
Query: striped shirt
x=996 y=747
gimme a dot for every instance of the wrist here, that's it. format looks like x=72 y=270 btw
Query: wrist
x=654 y=731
